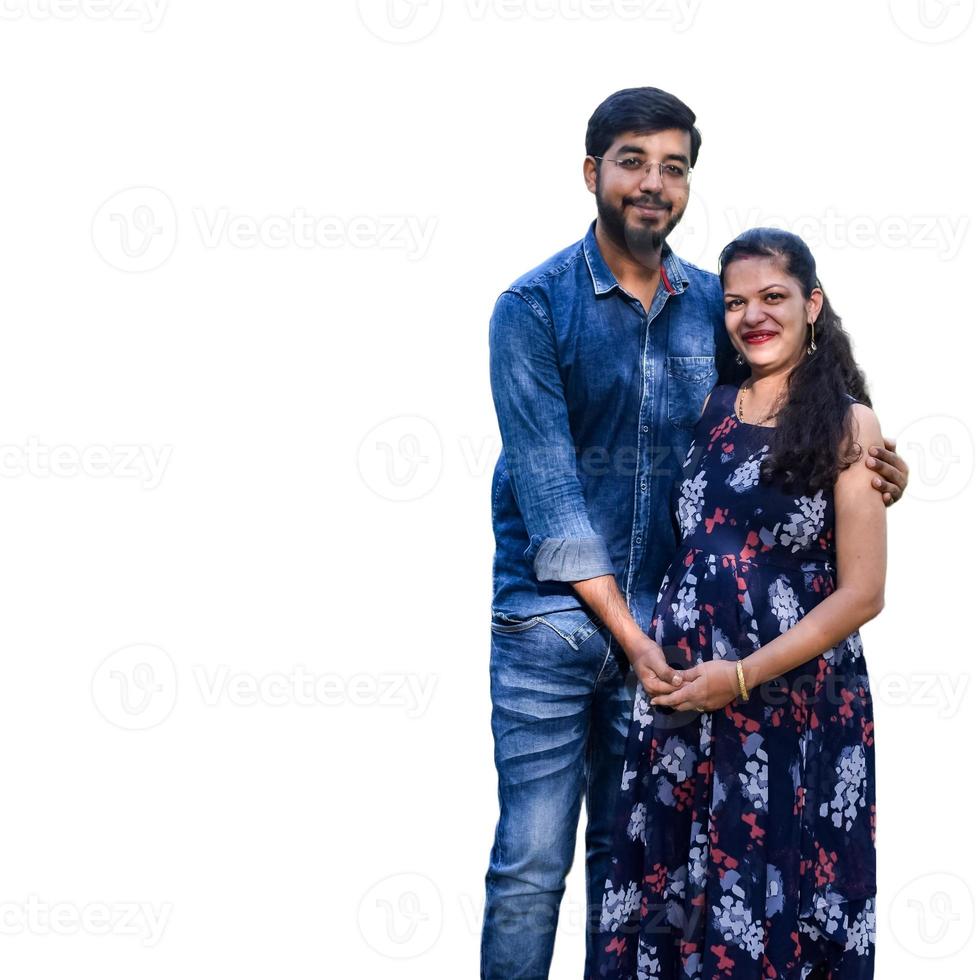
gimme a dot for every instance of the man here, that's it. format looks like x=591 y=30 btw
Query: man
x=600 y=361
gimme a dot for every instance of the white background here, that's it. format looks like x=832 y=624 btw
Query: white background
x=245 y=527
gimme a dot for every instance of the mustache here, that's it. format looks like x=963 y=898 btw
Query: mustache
x=646 y=202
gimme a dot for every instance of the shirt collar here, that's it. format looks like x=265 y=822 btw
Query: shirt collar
x=671 y=271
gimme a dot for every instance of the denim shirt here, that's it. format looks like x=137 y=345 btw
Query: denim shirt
x=596 y=400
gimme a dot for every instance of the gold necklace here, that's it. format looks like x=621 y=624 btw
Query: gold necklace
x=738 y=409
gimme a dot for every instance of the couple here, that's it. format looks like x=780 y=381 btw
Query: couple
x=688 y=538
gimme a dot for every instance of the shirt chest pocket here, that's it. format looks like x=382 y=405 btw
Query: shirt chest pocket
x=689 y=379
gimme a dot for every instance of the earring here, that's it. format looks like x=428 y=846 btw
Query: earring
x=812 y=346
x=739 y=359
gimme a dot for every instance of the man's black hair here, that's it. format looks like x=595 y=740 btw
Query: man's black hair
x=639 y=110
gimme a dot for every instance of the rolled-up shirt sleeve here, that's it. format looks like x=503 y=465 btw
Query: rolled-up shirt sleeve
x=529 y=398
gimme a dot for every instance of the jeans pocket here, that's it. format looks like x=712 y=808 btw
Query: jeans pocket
x=573 y=626
x=505 y=623
x=689 y=379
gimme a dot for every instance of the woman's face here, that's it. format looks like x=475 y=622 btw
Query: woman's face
x=766 y=314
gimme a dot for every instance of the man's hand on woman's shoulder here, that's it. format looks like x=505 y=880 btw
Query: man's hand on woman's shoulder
x=891 y=472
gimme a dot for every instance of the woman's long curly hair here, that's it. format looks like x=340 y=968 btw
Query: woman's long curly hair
x=806 y=448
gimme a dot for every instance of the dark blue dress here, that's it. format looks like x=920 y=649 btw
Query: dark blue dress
x=745 y=840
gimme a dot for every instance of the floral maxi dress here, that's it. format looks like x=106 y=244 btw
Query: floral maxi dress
x=745 y=836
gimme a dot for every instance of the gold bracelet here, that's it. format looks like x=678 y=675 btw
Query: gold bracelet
x=741 y=680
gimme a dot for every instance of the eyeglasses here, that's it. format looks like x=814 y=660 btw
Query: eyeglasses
x=672 y=174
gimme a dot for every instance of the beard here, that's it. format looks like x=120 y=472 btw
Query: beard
x=642 y=241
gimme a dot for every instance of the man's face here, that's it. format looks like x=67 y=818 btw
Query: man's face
x=639 y=210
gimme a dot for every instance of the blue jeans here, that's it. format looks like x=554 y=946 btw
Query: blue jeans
x=562 y=693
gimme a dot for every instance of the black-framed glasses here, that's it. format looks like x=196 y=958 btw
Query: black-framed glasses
x=672 y=172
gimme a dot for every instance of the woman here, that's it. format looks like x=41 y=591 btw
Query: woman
x=746 y=824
